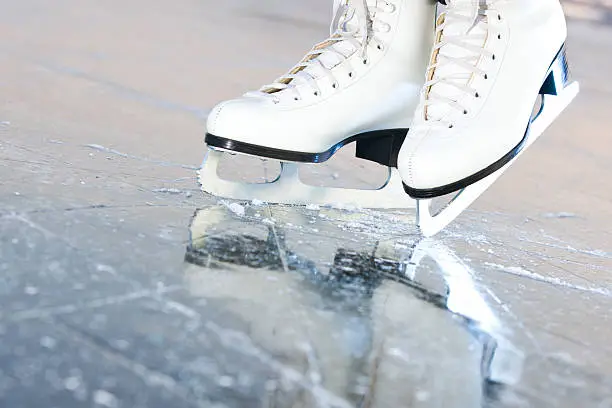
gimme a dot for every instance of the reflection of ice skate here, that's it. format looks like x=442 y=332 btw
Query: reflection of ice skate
x=476 y=115
x=379 y=321
x=354 y=87
x=250 y=269
x=501 y=361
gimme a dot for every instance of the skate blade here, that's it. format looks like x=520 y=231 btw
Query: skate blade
x=289 y=189
x=431 y=221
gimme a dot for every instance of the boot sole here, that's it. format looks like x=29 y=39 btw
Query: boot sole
x=380 y=146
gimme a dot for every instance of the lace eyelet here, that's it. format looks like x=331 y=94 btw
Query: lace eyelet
x=499 y=17
x=379 y=47
x=296 y=99
x=476 y=95
x=451 y=126
x=499 y=36
x=316 y=93
x=493 y=57
x=465 y=112
x=486 y=76
x=334 y=86
x=350 y=74
x=365 y=62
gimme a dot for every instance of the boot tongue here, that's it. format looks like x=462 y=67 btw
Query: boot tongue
x=466 y=26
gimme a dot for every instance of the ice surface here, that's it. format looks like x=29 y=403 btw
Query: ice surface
x=274 y=306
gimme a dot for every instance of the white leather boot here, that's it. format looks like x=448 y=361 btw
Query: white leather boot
x=361 y=84
x=490 y=61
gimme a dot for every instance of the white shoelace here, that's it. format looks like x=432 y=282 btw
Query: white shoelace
x=352 y=29
x=461 y=34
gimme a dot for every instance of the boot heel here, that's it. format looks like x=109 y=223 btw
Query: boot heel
x=382 y=146
x=558 y=75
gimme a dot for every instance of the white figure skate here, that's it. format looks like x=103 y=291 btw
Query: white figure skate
x=356 y=86
x=491 y=62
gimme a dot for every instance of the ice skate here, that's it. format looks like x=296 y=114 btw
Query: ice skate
x=498 y=77
x=356 y=86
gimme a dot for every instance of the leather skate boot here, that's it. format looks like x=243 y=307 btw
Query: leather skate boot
x=360 y=85
x=491 y=60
